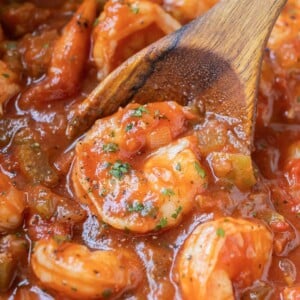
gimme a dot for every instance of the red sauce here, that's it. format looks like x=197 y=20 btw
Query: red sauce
x=37 y=156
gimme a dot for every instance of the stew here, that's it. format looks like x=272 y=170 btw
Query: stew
x=157 y=201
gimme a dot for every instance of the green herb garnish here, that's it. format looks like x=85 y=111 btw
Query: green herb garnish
x=139 y=111
x=177 y=212
x=136 y=207
x=199 y=170
x=110 y=147
x=167 y=192
x=163 y=222
x=96 y=22
x=134 y=8
x=178 y=167
x=129 y=127
x=220 y=232
x=119 y=169
x=106 y=293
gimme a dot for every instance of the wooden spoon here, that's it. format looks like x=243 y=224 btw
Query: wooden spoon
x=214 y=61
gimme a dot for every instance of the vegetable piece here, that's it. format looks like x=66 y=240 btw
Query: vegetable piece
x=33 y=161
x=19 y=19
x=159 y=138
x=7 y=271
x=235 y=167
x=13 y=252
x=48 y=204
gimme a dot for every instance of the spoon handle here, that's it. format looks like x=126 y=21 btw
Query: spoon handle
x=237 y=30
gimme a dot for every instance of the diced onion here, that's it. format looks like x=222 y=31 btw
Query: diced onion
x=160 y=137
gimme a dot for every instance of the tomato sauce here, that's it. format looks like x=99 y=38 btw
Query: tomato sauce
x=37 y=156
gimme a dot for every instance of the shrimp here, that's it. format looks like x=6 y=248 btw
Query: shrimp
x=67 y=62
x=187 y=10
x=284 y=39
x=221 y=253
x=280 y=68
x=291 y=293
x=12 y=205
x=124 y=28
x=9 y=85
x=133 y=173
x=74 y=271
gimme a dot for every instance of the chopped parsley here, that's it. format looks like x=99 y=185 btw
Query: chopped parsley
x=163 y=222
x=11 y=45
x=139 y=111
x=220 y=232
x=106 y=293
x=167 y=192
x=5 y=75
x=103 y=192
x=146 y=209
x=134 y=8
x=199 y=170
x=129 y=127
x=136 y=207
x=178 y=167
x=119 y=169
x=96 y=22
x=110 y=147
x=177 y=212
x=60 y=238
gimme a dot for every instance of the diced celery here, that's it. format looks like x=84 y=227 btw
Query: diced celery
x=235 y=167
x=7 y=271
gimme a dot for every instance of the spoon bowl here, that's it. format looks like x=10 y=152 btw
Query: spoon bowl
x=213 y=62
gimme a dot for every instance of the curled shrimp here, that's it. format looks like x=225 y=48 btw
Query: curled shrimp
x=291 y=293
x=9 y=85
x=12 y=205
x=284 y=39
x=133 y=172
x=77 y=272
x=221 y=253
x=124 y=28
x=187 y=10
x=67 y=62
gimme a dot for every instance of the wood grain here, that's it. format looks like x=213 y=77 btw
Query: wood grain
x=214 y=60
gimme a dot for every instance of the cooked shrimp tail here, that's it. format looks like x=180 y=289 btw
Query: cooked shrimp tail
x=221 y=253
x=72 y=270
x=69 y=56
